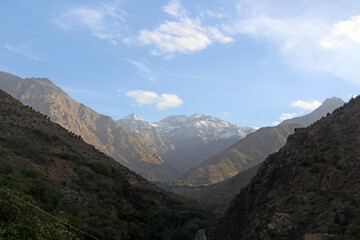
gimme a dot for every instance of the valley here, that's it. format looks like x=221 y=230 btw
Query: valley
x=179 y=120
x=199 y=157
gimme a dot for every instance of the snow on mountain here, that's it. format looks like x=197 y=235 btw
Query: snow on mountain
x=186 y=141
x=152 y=137
x=206 y=127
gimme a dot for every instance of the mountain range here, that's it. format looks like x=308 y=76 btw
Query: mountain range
x=96 y=129
x=307 y=190
x=186 y=141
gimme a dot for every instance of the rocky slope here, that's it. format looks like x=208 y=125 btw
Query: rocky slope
x=197 y=137
x=326 y=107
x=148 y=133
x=96 y=129
x=244 y=154
x=72 y=180
x=312 y=185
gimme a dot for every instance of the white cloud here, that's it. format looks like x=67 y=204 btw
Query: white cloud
x=285 y=116
x=275 y=123
x=310 y=105
x=24 y=50
x=308 y=40
x=162 y=101
x=169 y=101
x=343 y=35
x=184 y=35
x=144 y=70
x=104 y=22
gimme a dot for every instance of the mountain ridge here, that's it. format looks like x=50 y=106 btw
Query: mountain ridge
x=97 y=129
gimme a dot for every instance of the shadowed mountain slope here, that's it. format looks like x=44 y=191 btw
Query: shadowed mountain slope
x=244 y=154
x=72 y=180
x=218 y=196
x=96 y=129
x=312 y=185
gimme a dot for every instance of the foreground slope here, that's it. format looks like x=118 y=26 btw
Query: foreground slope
x=72 y=180
x=312 y=185
x=96 y=129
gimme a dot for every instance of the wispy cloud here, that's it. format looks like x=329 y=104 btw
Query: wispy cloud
x=182 y=35
x=309 y=40
x=215 y=14
x=143 y=69
x=25 y=50
x=306 y=105
x=162 y=101
x=105 y=21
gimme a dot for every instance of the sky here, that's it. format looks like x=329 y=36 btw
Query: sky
x=249 y=62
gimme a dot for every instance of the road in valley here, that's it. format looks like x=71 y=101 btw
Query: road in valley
x=200 y=235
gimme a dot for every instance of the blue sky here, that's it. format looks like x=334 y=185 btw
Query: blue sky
x=247 y=62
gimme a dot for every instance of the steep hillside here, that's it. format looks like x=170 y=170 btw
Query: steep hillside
x=312 y=185
x=72 y=180
x=328 y=106
x=96 y=129
x=197 y=137
x=244 y=154
x=148 y=133
x=218 y=196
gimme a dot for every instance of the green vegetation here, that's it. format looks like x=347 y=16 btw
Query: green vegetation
x=21 y=219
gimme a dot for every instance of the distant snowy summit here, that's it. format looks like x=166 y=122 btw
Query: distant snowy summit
x=186 y=141
x=152 y=137
x=208 y=128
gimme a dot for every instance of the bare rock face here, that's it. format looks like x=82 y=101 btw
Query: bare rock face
x=312 y=185
x=96 y=129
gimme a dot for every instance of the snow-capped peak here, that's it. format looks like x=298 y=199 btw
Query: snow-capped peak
x=133 y=117
x=206 y=127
